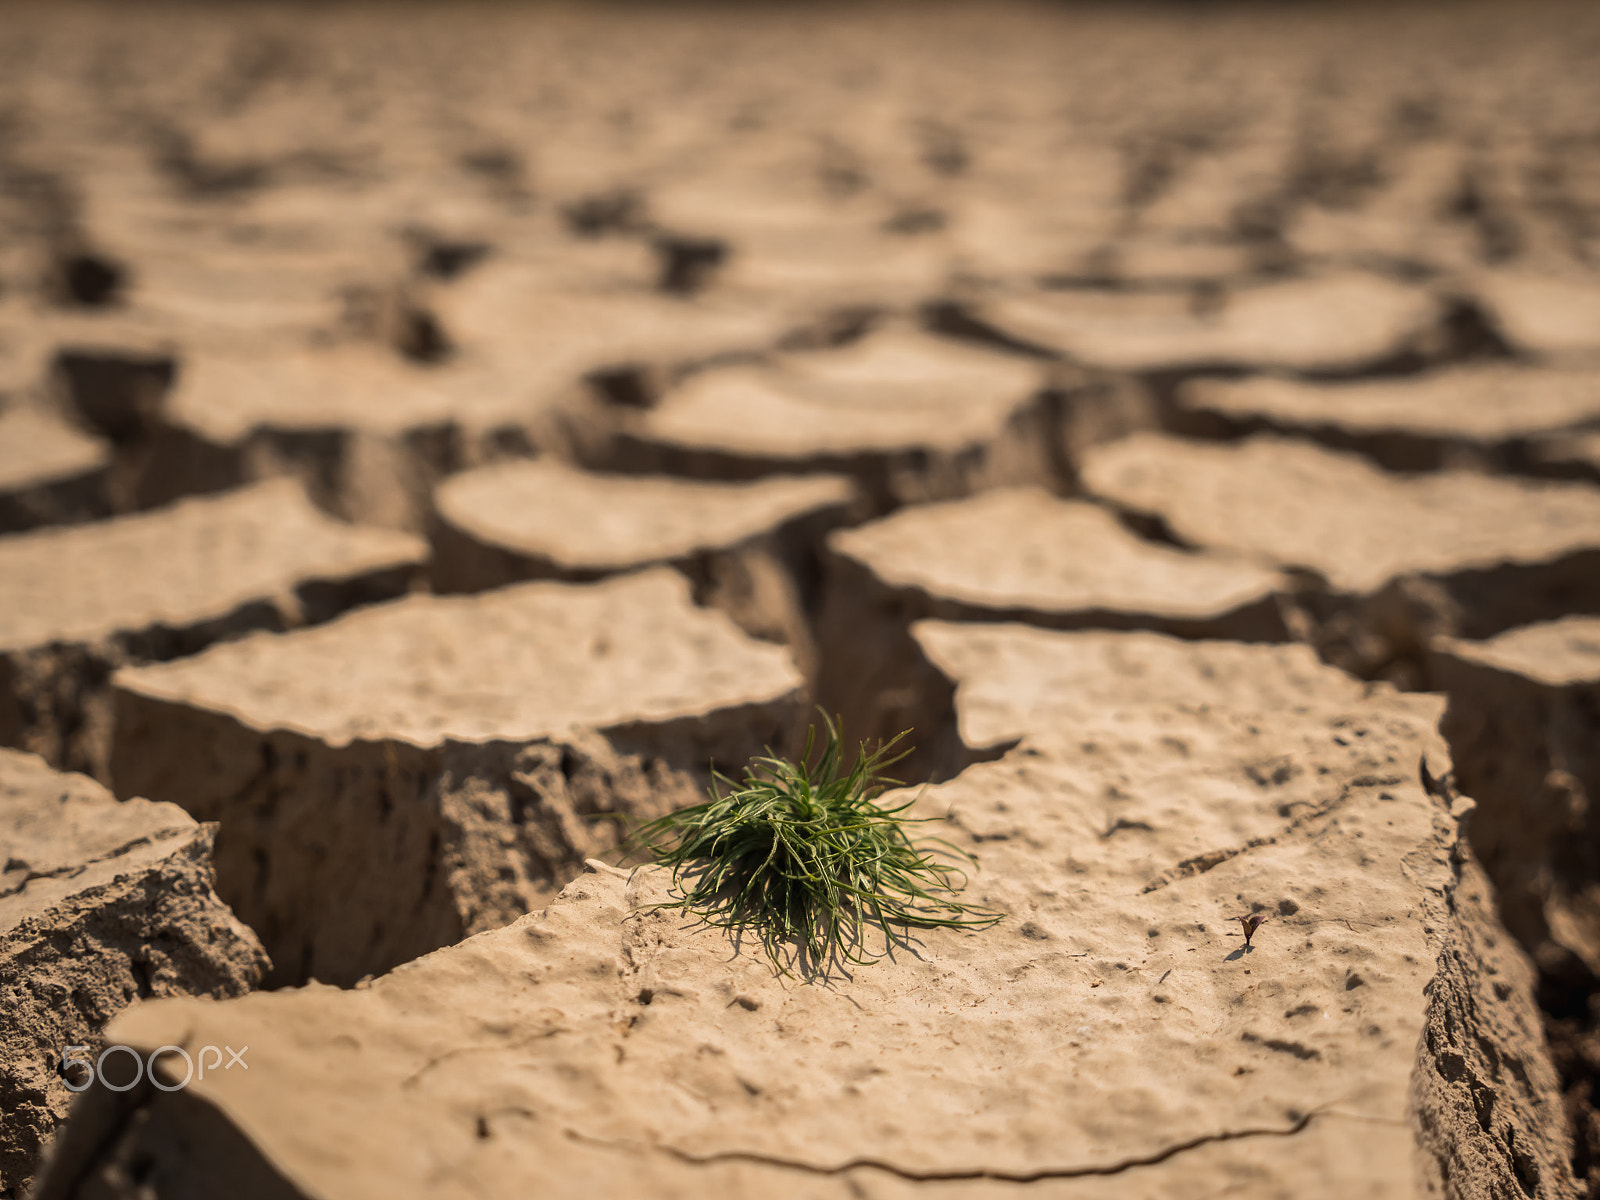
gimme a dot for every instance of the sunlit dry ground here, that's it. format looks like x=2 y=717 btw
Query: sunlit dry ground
x=867 y=327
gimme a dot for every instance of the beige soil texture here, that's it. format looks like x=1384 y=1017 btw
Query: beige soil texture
x=419 y=771
x=232 y=299
x=77 y=602
x=630 y=342
x=909 y=415
x=374 y=246
x=1016 y=554
x=1554 y=316
x=1012 y=679
x=1488 y=415
x=287 y=282
x=51 y=473
x=747 y=548
x=767 y=243
x=1112 y=1034
x=101 y=905
x=1333 y=323
x=23 y=355
x=1392 y=561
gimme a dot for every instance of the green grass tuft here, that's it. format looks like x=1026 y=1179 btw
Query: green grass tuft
x=801 y=854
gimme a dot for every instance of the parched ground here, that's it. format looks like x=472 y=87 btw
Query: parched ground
x=433 y=437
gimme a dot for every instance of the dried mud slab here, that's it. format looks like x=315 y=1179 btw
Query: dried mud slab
x=1329 y=324
x=548 y=338
x=996 y=238
x=832 y=265
x=769 y=243
x=23 y=357
x=366 y=432
x=1013 y=554
x=1012 y=681
x=1112 y=1033
x=1394 y=561
x=1024 y=554
x=1524 y=728
x=101 y=904
x=77 y=602
x=252 y=296
x=908 y=415
x=1479 y=414
x=419 y=771
x=746 y=547
x=50 y=472
x=1554 y=316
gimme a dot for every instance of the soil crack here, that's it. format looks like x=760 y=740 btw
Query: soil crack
x=70 y=870
x=976 y=1173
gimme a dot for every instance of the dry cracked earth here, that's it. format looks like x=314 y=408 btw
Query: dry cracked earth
x=431 y=437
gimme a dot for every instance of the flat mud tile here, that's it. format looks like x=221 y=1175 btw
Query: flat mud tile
x=1024 y=554
x=365 y=431
x=749 y=548
x=1013 y=554
x=423 y=770
x=566 y=522
x=1013 y=681
x=1479 y=413
x=1395 y=559
x=908 y=415
x=512 y=312
x=102 y=904
x=1331 y=323
x=76 y=602
x=1553 y=316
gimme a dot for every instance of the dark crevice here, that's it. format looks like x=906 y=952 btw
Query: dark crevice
x=621 y=210
x=89 y=280
x=687 y=263
x=420 y=337
x=450 y=259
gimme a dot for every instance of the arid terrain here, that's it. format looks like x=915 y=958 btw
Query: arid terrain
x=434 y=436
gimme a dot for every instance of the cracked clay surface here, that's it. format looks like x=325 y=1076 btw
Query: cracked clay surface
x=1106 y=1031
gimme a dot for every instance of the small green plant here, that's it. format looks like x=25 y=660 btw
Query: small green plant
x=802 y=854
